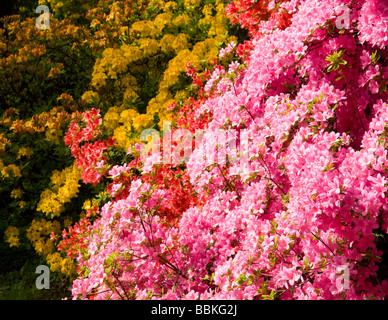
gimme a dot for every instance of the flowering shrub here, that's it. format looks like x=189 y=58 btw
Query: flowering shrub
x=297 y=206
x=125 y=58
x=42 y=76
x=137 y=80
x=269 y=180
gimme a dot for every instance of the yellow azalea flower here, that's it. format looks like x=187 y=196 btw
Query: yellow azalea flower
x=38 y=233
x=55 y=70
x=12 y=236
x=67 y=222
x=65 y=186
x=111 y=119
x=166 y=42
x=25 y=152
x=3 y=142
x=192 y=4
x=87 y=205
x=22 y=204
x=142 y=28
x=149 y=46
x=207 y=9
x=170 y=6
x=131 y=52
x=128 y=115
x=141 y=122
x=54 y=260
x=90 y=97
x=68 y=267
x=54 y=135
x=94 y=23
x=11 y=171
x=17 y=193
x=99 y=79
x=65 y=266
x=122 y=134
x=163 y=20
x=130 y=93
x=181 y=20
x=180 y=42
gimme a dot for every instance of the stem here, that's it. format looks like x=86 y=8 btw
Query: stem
x=176 y=281
x=121 y=285
x=269 y=173
x=228 y=183
x=246 y=109
x=319 y=238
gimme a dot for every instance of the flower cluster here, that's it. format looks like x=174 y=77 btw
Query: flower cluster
x=11 y=171
x=12 y=236
x=146 y=73
x=269 y=180
x=39 y=235
x=61 y=265
x=297 y=208
x=65 y=186
x=89 y=156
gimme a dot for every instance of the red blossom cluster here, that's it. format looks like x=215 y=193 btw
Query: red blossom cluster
x=89 y=156
x=73 y=240
x=251 y=14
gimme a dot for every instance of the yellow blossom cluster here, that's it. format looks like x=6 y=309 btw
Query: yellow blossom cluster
x=192 y=4
x=3 y=142
x=170 y=33
x=12 y=236
x=182 y=21
x=145 y=29
x=54 y=135
x=22 y=204
x=38 y=233
x=126 y=125
x=91 y=204
x=172 y=43
x=65 y=266
x=17 y=193
x=169 y=6
x=21 y=126
x=49 y=121
x=11 y=171
x=65 y=186
x=53 y=5
x=24 y=152
x=90 y=97
x=112 y=118
x=55 y=70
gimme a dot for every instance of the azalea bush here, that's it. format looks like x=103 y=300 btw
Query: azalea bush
x=40 y=93
x=126 y=58
x=284 y=193
x=197 y=163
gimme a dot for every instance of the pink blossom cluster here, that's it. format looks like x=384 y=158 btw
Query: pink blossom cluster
x=231 y=46
x=302 y=216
